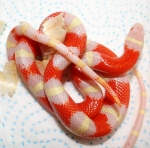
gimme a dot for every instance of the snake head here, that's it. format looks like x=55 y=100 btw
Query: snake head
x=135 y=38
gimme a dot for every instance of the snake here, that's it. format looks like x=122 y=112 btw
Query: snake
x=100 y=113
x=132 y=138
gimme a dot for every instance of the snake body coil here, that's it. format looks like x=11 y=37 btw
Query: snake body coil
x=98 y=114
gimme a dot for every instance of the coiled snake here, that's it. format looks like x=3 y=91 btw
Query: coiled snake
x=99 y=113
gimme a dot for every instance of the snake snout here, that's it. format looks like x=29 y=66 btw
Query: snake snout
x=135 y=38
x=137 y=32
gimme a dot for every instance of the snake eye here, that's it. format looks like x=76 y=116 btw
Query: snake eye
x=131 y=29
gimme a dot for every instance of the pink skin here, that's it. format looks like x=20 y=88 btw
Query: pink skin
x=130 y=142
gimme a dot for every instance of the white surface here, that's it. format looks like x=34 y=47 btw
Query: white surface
x=23 y=122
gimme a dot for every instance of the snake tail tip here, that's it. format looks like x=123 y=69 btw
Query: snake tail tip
x=117 y=101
